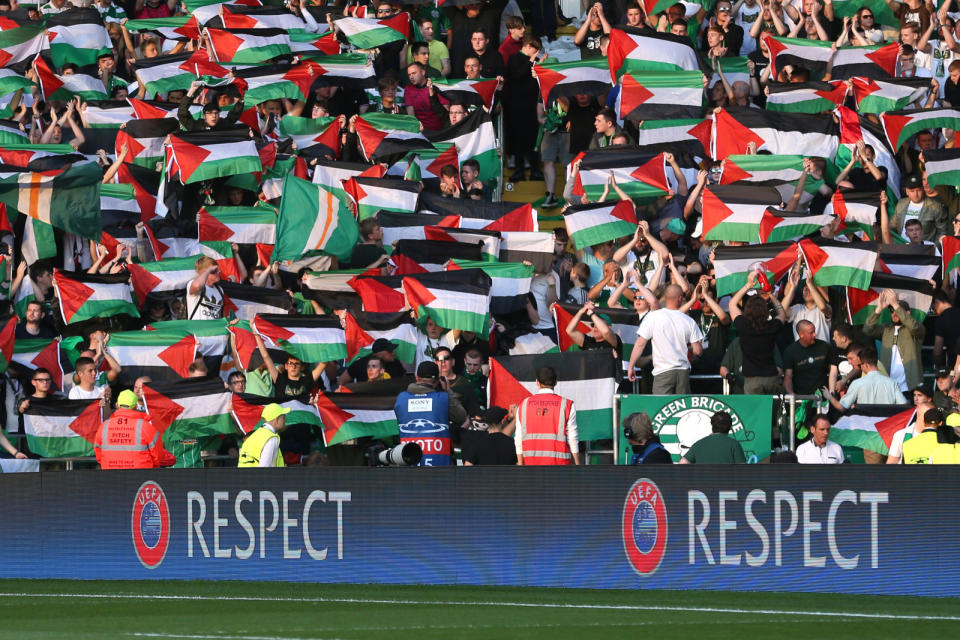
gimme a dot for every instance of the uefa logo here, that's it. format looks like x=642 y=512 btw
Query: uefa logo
x=150 y=524
x=644 y=527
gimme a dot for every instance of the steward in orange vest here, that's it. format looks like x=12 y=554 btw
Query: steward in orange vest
x=546 y=425
x=128 y=439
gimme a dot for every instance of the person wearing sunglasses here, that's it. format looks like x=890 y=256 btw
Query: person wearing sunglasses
x=466 y=391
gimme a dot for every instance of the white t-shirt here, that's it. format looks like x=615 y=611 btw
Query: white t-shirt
x=896 y=364
x=810 y=453
x=207 y=306
x=77 y=393
x=539 y=286
x=669 y=332
x=896 y=443
x=426 y=346
x=821 y=325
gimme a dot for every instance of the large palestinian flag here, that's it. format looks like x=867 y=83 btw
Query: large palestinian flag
x=30 y=354
x=733 y=264
x=205 y=155
x=313 y=136
x=916 y=292
x=911 y=260
x=310 y=338
x=84 y=296
x=370 y=195
x=243 y=225
x=453 y=299
x=871 y=427
x=21 y=44
x=480 y=214
x=370 y=33
x=65 y=87
x=900 y=126
x=778 y=225
x=869 y=62
x=363 y=329
x=778 y=133
x=247 y=410
x=597 y=222
x=479 y=93
x=163 y=355
x=567 y=79
x=633 y=49
x=639 y=174
x=657 y=95
x=62 y=428
x=188 y=410
x=474 y=138
x=839 y=263
x=347 y=416
x=691 y=135
x=311 y=219
x=735 y=211
x=589 y=378
x=247 y=46
x=385 y=135
x=380 y=294
x=144 y=140
x=761 y=168
x=510 y=282
x=878 y=96
x=77 y=36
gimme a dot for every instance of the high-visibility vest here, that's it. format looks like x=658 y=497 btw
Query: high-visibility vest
x=544 y=418
x=946 y=454
x=128 y=440
x=919 y=449
x=253 y=446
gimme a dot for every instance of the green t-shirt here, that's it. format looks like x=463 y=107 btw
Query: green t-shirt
x=438 y=53
x=259 y=383
x=810 y=365
x=716 y=448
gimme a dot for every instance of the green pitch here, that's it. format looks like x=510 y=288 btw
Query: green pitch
x=42 y=609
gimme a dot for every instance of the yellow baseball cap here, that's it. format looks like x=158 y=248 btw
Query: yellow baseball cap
x=273 y=411
x=953 y=420
x=127 y=399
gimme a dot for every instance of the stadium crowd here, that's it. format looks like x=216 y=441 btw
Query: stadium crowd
x=224 y=215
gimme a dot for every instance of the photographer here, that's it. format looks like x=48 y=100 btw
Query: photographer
x=638 y=430
x=427 y=413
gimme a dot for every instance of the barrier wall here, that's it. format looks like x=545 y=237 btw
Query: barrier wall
x=884 y=530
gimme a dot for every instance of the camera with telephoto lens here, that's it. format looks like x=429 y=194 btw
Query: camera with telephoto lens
x=407 y=454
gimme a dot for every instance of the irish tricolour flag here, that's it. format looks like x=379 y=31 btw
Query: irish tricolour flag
x=597 y=222
x=62 y=428
x=311 y=219
x=453 y=299
x=68 y=200
x=205 y=155
x=346 y=416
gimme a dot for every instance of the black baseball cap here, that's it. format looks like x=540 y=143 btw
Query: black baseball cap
x=913 y=182
x=211 y=106
x=428 y=369
x=382 y=344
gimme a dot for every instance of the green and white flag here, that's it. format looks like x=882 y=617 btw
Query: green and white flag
x=313 y=136
x=311 y=338
x=370 y=33
x=62 y=428
x=598 y=222
x=347 y=416
x=68 y=200
x=205 y=155
x=871 y=427
x=942 y=167
x=311 y=219
x=878 y=96
x=839 y=263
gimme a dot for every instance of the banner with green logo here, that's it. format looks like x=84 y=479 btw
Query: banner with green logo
x=680 y=421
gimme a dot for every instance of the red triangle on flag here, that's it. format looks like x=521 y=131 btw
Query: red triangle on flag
x=236 y=20
x=732 y=172
x=330 y=137
x=505 y=389
x=143 y=282
x=145 y=111
x=406 y=265
x=356 y=337
x=520 y=219
x=767 y=223
x=224 y=44
x=632 y=94
x=210 y=228
x=417 y=295
x=377 y=297
x=814 y=256
x=88 y=422
x=624 y=210
x=561 y=318
x=886 y=57
x=49 y=82
x=180 y=355
x=619 y=48
x=653 y=173
x=399 y=22
x=486 y=89
x=246 y=414
x=264 y=251
x=889 y=426
x=163 y=411
x=49 y=359
x=857 y=300
x=548 y=79
x=732 y=137
x=331 y=415
x=436 y=233
x=6 y=340
x=703 y=132
x=850 y=132
x=189 y=156
x=714 y=211
x=370 y=137
x=134 y=148
x=245 y=344
x=72 y=293
x=893 y=126
x=200 y=64
x=448 y=157
x=270 y=330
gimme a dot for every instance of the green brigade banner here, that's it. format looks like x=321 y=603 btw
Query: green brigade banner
x=682 y=420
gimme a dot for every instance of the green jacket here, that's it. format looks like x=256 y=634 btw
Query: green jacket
x=909 y=340
x=933 y=217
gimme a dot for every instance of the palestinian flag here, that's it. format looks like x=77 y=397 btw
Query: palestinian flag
x=144 y=140
x=427 y=164
x=567 y=79
x=423 y=256
x=480 y=214
x=370 y=33
x=761 y=168
x=308 y=44
x=331 y=175
x=633 y=49
x=900 y=126
x=411 y=226
x=7 y=339
x=313 y=136
x=487 y=241
x=474 y=139
x=172 y=274
x=77 y=36
x=869 y=62
x=384 y=135
x=624 y=323
x=839 y=263
x=910 y=260
x=734 y=70
x=478 y=93
x=346 y=70
x=39 y=157
x=597 y=222
x=379 y=294
x=211 y=335
x=589 y=378
x=57 y=87
x=689 y=135
x=84 y=296
x=11 y=81
x=917 y=293
x=239 y=16
x=853 y=128
x=363 y=329
x=186 y=411
x=247 y=46
x=248 y=408
x=310 y=338
x=733 y=264
x=951 y=254
x=10 y=133
x=942 y=167
x=246 y=301
x=806 y=97
x=243 y=225
x=370 y=195
x=311 y=219
x=778 y=133
x=735 y=211
x=453 y=299
x=30 y=354
x=62 y=428
x=871 y=427
x=163 y=74
x=178 y=28
x=779 y=226
x=660 y=95
x=205 y=155
x=530 y=246
x=108 y=114
x=68 y=200
x=19 y=45
x=162 y=355
x=878 y=96
x=857 y=212
x=277 y=81
x=347 y=416
x=637 y=173
x=510 y=282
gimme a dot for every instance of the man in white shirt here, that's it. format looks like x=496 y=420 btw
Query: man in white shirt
x=86 y=387
x=819 y=449
x=671 y=332
x=204 y=297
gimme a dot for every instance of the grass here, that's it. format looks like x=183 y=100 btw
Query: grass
x=267 y=610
